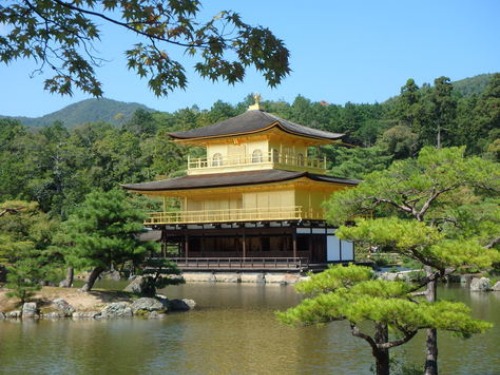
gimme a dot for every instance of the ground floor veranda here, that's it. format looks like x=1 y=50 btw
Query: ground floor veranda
x=277 y=245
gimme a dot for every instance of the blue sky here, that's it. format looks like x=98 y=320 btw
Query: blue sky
x=356 y=51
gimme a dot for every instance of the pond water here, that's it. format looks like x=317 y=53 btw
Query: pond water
x=232 y=331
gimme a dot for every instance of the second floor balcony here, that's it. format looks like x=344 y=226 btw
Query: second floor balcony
x=234 y=215
x=257 y=160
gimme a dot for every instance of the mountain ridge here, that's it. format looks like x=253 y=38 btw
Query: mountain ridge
x=86 y=111
x=117 y=112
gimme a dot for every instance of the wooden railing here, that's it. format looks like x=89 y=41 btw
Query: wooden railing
x=269 y=159
x=233 y=215
x=242 y=263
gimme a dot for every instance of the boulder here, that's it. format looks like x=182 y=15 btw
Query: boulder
x=181 y=304
x=30 y=310
x=2 y=316
x=496 y=287
x=116 y=310
x=63 y=307
x=134 y=286
x=480 y=284
x=149 y=304
x=141 y=285
x=15 y=314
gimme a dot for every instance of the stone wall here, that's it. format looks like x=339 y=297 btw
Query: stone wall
x=279 y=278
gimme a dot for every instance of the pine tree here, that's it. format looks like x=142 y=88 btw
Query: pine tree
x=102 y=234
x=440 y=209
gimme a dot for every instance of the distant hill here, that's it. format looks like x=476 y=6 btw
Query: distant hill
x=89 y=110
x=465 y=87
x=117 y=113
x=473 y=85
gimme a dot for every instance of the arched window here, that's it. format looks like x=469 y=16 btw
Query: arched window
x=257 y=156
x=300 y=160
x=217 y=160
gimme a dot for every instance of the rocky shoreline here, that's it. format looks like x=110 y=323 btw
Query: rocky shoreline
x=145 y=307
x=63 y=303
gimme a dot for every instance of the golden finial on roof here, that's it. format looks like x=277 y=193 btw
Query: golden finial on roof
x=256 y=106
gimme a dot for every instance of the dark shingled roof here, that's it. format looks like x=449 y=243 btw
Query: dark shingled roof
x=251 y=122
x=231 y=179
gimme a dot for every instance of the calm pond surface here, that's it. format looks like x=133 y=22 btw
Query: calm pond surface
x=232 y=331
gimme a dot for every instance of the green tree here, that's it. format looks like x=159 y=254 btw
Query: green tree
x=441 y=113
x=53 y=157
x=487 y=116
x=12 y=154
x=25 y=239
x=102 y=234
x=142 y=124
x=436 y=209
x=60 y=37
x=409 y=103
x=356 y=162
x=383 y=313
x=220 y=111
x=165 y=156
x=399 y=141
x=23 y=279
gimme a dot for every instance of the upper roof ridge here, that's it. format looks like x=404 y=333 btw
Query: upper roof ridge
x=253 y=121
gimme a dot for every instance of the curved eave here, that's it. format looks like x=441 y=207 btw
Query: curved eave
x=227 y=180
x=251 y=123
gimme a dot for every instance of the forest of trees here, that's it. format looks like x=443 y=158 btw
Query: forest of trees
x=56 y=167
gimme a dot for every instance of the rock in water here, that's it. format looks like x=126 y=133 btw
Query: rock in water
x=149 y=304
x=117 y=310
x=182 y=304
x=62 y=306
x=496 y=287
x=480 y=284
x=30 y=310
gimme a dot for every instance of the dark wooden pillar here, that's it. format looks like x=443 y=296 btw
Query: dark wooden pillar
x=186 y=246
x=311 y=246
x=163 y=243
x=294 y=243
x=244 y=245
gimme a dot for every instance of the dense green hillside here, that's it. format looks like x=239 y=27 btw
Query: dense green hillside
x=473 y=85
x=90 y=110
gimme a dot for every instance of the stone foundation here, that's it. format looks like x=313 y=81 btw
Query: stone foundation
x=276 y=278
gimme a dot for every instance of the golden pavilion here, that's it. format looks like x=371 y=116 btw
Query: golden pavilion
x=254 y=201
